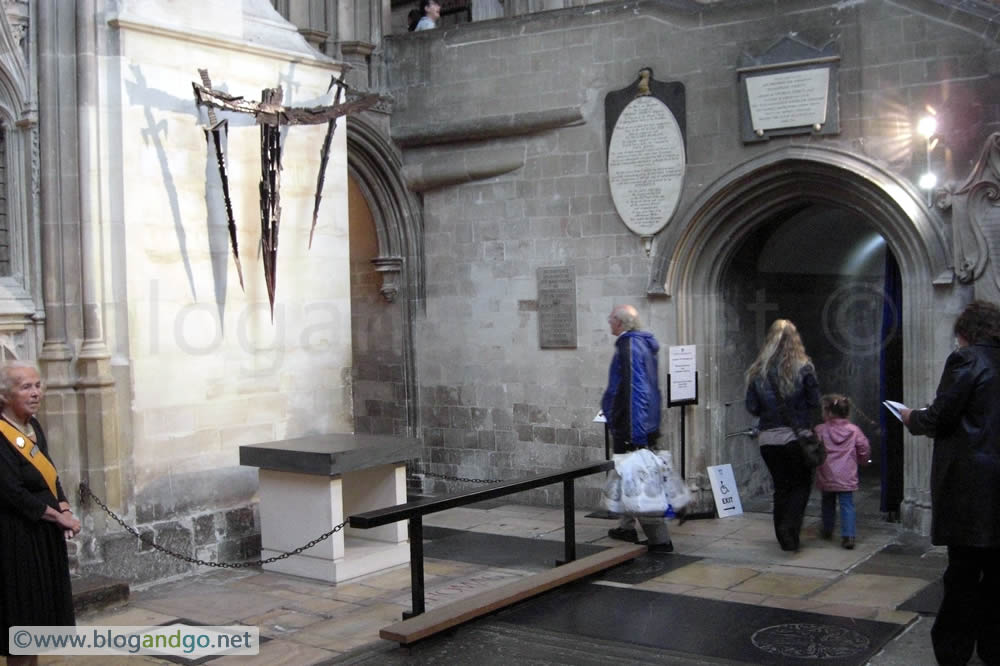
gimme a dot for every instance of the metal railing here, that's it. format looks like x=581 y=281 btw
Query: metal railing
x=416 y=510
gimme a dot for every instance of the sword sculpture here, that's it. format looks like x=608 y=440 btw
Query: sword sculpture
x=270 y=114
x=324 y=153
x=215 y=129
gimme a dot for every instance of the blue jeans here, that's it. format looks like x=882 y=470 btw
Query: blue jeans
x=847 y=515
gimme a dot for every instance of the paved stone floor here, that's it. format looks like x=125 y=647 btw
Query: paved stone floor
x=734 y=559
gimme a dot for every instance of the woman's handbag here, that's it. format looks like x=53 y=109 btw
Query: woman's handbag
x=813 y=450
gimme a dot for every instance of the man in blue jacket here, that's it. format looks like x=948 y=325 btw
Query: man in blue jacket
x=631 y=405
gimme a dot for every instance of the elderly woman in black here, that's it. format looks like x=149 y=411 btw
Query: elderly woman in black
x=783 y=392
x=35 y=518
x=964 y=421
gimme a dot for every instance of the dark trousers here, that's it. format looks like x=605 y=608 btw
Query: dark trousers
x=792 y=484
x=970 y=611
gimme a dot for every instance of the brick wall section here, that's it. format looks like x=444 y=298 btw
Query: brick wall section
x=492 y=404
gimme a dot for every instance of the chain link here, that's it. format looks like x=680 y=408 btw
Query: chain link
x=461 y=478
x=86 y=492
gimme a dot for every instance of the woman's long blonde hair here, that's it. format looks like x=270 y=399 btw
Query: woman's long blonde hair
x=783 y=350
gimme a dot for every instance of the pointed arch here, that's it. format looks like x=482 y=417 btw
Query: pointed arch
x=20 y=284
x=376 y=167
x=692 y=261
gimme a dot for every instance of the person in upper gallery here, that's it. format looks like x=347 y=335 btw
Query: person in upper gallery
x=426 y=17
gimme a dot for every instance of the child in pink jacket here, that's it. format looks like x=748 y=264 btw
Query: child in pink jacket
x=846 y=448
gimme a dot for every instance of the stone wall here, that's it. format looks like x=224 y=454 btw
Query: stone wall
x=203 y=365
x=376 y=333
x=492 y=403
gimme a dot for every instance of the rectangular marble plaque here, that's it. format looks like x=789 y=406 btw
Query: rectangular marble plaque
x=788 y=99
x=557 y=307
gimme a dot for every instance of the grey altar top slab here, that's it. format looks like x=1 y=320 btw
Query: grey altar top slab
x=330 y=455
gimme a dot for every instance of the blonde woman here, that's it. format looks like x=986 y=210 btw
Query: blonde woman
x=783 y=392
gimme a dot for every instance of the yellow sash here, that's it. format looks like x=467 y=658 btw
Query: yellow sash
x=23 y=445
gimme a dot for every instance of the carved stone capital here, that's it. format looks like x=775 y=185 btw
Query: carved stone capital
x=390 y=268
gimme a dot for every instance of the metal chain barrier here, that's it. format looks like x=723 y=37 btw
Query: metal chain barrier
x=461 y=478
x=85 y=492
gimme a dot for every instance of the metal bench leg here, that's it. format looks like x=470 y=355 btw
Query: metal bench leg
x=415 y=531
x=569 y=522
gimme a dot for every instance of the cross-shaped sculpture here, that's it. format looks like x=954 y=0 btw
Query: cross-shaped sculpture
x=271 y=115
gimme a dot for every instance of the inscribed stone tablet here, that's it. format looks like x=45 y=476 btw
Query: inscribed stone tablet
x=646 y=165
x=788 y=99
x=557 y=307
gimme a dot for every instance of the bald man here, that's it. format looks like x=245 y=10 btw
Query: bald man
x=631 y=404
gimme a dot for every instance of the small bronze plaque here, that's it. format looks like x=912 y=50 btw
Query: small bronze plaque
x=557 y=307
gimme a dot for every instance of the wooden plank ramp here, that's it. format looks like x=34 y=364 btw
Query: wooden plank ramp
x=469 y=608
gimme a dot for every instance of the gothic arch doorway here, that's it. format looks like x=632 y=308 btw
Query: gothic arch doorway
x=745 y=209
x=828 y=270
x=387 y=283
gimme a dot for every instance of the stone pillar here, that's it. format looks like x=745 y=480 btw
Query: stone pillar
x=58 y=168
x=483 y=10
x=95 y=384
x=310 y=18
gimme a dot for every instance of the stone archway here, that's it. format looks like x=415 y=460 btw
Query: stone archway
x=375 y=166
x=695 y=255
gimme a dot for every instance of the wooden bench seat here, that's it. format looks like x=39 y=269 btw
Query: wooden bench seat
x=447 y=616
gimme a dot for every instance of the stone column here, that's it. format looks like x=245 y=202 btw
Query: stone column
x=310 y=18
x=55 y=347
x=95 y=384
x=58 y=200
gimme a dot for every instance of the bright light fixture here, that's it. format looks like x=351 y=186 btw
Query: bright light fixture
x=926 y=126
x=928 y=181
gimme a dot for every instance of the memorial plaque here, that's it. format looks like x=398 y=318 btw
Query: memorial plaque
x=788 y=99
x=557 y=307
x=791 y=88
x=646 y=165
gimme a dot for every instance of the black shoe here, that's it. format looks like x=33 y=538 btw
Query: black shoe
x=847 y=542
x=826 y=534
x=623 y=534
x=667 y=547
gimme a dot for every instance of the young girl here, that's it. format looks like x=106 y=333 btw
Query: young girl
x=846 y=447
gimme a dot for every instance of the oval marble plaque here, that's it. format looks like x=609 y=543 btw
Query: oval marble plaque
x=646 y=165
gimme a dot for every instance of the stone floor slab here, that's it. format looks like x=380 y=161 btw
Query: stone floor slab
x=212 y=605
x=707 y=574
x=700 y=627
x=278 y=653
x=771 y=584
x=871 y=590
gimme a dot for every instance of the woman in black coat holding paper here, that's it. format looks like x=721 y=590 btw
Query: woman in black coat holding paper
x=964 y=421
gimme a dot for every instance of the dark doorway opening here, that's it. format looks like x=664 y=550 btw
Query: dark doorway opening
x=828 y=270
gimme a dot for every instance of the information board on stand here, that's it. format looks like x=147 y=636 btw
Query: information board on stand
x=682 y=386
x=682 y=376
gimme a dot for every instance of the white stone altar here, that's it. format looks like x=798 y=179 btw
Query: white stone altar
x=311 y=484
